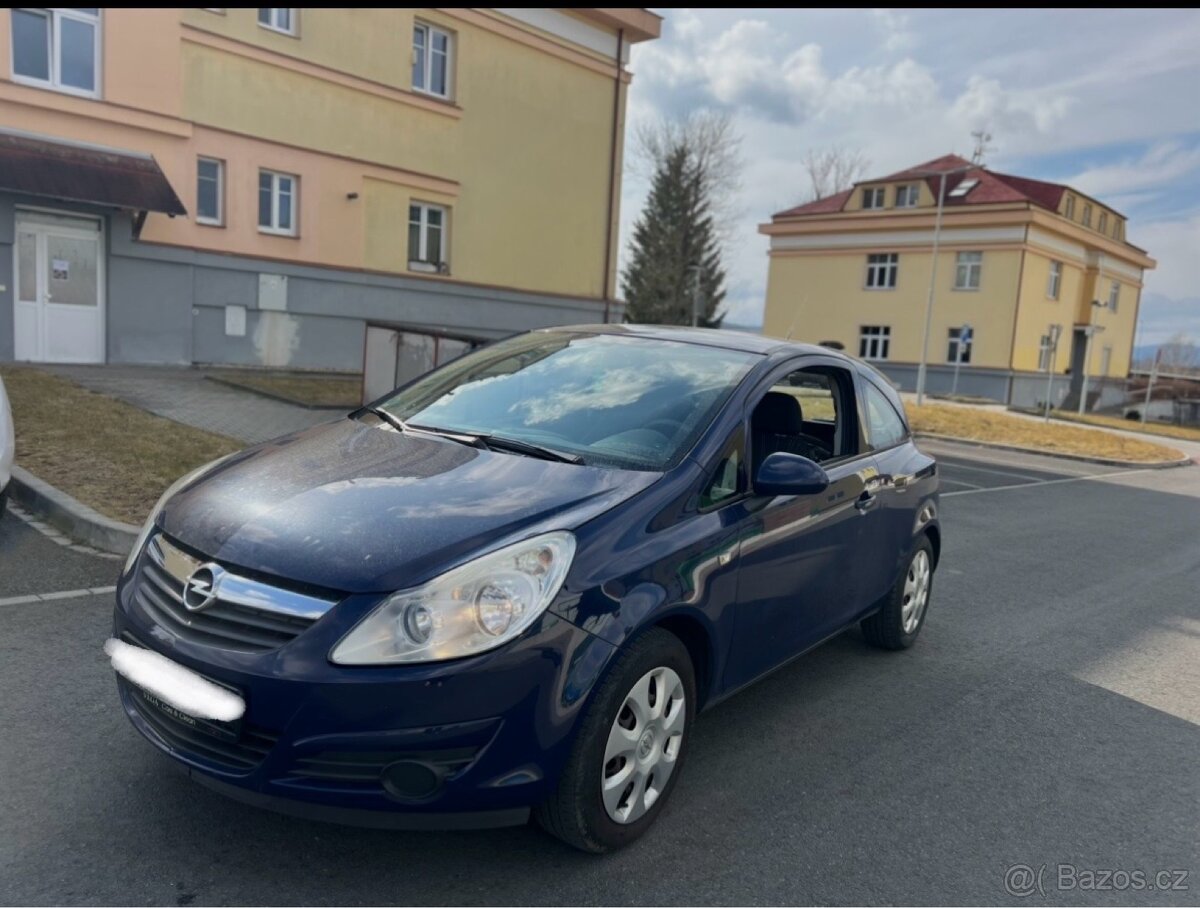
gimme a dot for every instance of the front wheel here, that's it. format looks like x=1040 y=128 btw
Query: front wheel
x=899 y=621
x=630 y=748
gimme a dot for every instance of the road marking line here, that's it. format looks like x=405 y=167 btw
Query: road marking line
x=963 y=466
x=1046 y=482
x=64 y=594
x=959 y=482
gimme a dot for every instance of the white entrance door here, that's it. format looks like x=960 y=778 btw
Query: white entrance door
x=58 y=315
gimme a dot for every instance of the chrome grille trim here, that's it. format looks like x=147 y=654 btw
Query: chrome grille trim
x=248 y=615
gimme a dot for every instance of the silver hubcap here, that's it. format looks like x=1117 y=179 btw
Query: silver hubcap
x=916 y=592
x=643 y=745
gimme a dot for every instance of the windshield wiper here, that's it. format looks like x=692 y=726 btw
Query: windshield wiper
x=394 y=421
x=504 y=443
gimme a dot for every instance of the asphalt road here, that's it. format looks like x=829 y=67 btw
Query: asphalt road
x=1049 y=715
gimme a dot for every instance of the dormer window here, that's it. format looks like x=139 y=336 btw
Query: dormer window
x=1102 y=226
x=1087 y=215
x=873 y=198
x=907 y=196
x=1069 y=210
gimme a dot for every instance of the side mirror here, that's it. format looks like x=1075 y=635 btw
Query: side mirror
x=789 y=474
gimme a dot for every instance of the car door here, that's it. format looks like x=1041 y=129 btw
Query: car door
x=800 y=557
x=899 y=464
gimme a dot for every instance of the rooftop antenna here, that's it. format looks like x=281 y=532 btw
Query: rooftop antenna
x=981 y=137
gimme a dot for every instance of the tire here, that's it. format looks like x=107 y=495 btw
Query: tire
x=577 y=811
x=3 y=501
x=893 y=626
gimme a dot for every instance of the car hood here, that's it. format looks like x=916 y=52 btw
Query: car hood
x=359 y=507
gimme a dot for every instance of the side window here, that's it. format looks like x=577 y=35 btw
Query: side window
x=727 y=480
x=884 y=425
x=806 y=413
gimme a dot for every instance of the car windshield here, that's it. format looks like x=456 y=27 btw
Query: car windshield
x=628 y=402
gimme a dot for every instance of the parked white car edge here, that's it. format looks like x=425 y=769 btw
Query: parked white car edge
x=6 y=445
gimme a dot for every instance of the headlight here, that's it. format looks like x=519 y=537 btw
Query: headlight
x=471 y=609
x=148 y=526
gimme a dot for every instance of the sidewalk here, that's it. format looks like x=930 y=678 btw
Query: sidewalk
x=183 y=394
x=1187 y=448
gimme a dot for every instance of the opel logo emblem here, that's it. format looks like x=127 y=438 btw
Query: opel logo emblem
x=200 y=589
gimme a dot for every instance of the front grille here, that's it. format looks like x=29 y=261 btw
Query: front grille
x=363 y=769
x=278 y=617
x=241 y=755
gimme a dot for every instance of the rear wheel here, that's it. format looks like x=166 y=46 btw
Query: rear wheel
x=897 y=624
x=630 y=748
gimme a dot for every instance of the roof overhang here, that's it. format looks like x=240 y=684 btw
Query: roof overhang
x=77 y=172
x=638 y=24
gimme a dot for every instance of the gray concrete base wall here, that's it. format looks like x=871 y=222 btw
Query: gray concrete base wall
x=168 y=305
x=939 y=379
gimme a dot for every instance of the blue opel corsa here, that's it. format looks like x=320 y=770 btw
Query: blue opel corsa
x=510 y=586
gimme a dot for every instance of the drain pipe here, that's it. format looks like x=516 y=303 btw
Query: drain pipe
x=612 y=176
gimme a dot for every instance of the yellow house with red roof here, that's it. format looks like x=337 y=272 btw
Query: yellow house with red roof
x=1015 y=256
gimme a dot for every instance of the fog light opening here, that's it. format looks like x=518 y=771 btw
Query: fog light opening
x=410 y=780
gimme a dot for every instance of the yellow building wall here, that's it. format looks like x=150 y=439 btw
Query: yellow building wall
x=521 y=155
x=1037 y=311
x=822 y=296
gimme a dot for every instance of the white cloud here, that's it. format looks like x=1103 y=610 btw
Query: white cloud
x=1162 y=163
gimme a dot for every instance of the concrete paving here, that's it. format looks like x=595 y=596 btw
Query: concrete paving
x=185 y=395
x=1049 y=715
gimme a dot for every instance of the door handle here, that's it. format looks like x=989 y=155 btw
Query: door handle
x=866 y=501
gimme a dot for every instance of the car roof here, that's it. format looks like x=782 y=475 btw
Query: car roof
x=706 y=337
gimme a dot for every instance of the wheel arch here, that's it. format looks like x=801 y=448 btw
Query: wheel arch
x=697 y=640
x=934 y=532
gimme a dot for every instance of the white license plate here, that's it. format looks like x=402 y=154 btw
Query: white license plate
x=178 y=691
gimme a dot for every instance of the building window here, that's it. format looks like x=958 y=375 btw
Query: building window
x=1087 y=215
x=954 y=348
x=968 y=270
x=210 y=191
x=881 y=270
x=277 y=202
x=1116 y=228
x=873 y=198
x=1045 y=353
x=1069 y=212
x=278 y=20
x=1102 y=224
x=432 y=48
x=57 y=48
x=1054 y=282
x=907 y=196
x=427 y=238
x=873 y=341
x=1114 y=295
x=1105 y=359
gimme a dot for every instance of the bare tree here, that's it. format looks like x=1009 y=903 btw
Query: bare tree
x=715 y=151
x=830 y=170
x=1179 y=354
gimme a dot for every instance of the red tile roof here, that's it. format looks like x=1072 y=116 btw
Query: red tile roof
x=991 y=187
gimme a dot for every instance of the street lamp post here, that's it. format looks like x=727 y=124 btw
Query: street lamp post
x=937 y=236
x=1091 y=331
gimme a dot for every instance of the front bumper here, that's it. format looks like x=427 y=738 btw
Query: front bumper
x=484 y=738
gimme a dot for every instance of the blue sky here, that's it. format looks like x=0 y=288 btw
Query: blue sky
x=1108 y=102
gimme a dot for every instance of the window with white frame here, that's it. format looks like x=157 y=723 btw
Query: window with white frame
x=1045 y=353
x=278 y=20
x=968 y=270
x=881 y=270
x=431 y=62
x=210 y=191
x=427 y=237
x=873 y=341
x=1054 y=281
x=1069 y=211
x=57 y=48
x=1102 y=224
x=1106 y=359
x=873 y=197
x=277 y=196
x=907 y=196
x=956 y=349
x=1087 y=215
x=1114 y=295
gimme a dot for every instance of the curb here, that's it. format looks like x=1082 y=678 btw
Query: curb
x=72 y=517
x=1083 y=458
x=279 y=398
